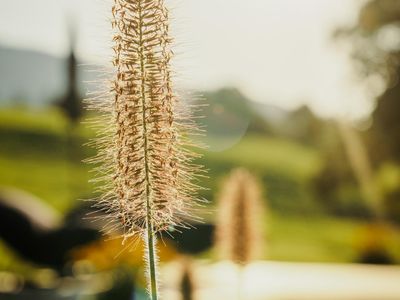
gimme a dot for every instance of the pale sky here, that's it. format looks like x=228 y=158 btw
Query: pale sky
x=276 y=51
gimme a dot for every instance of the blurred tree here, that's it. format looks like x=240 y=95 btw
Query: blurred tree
x=386 y=126
x=335 y=185
x=375 y=40
x=376 y=51
x=304 y=126
x=71 y=103
x=360 y=164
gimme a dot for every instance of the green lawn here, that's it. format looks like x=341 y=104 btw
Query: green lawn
x=35 y=156
x=318 y=238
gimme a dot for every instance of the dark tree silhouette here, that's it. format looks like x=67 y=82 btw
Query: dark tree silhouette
x=376 y=50
x=71 y=103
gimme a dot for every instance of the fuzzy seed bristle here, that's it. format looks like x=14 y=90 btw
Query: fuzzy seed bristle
x=238 y=231
x=145 y=170
x=144 y=130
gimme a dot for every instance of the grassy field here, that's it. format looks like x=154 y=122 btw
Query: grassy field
x=37 y=156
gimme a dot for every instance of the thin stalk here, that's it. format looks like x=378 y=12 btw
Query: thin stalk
x=144 y=135
x=150 y=234
x=152 y=262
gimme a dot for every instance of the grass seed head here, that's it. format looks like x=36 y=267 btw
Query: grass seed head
x=144 y=163
x=239 y=227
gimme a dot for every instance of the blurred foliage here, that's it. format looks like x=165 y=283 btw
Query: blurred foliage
x=388 y=182
x=335 y=184
x=34 y=158
x=386 y=126
x=34 y=155
x=373 y=243
x=105 y=254
x=303 y=126
x=375 y=41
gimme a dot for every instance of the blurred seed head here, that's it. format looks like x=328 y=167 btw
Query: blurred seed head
x=239 y=224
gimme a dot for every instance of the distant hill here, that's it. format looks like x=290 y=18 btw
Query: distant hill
x=34 y=78
x=228 y=107
x=229 y=114
x=38 y=79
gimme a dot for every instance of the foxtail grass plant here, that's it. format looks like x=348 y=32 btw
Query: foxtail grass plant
x=146 y=175
x=239 y=225
x=239 y=233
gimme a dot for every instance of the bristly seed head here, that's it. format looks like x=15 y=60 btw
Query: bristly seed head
x=239 y=228
x=146 y=169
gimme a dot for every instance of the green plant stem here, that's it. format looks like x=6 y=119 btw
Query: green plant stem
x=151 y=261
x=150 y=233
